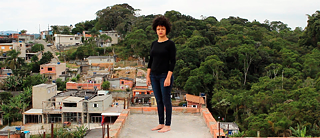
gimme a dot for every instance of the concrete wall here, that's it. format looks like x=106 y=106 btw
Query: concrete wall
x=67 y=40
x=114 y=84
x=84 y=86
x=102 y=105
x=113 y=34
x=42 y=92
x=57 y=70
x=101 y=60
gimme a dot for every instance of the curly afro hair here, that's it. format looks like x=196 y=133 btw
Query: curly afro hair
x=161 y=21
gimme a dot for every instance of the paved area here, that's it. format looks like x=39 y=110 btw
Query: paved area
x=183 y=126
x=48 y=48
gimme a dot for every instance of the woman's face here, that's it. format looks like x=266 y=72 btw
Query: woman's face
x=161 y=31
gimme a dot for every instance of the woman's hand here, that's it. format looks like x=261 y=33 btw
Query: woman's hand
x=148 y=81
x=166 y=82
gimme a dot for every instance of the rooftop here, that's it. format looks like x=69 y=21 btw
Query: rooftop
x=183 y=126
x=45 y=85
x=99 y=57
x=73 y=99
x=100 y=98
x=195 y=99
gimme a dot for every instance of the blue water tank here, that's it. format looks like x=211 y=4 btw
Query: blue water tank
x=18 y=128
x=203 y=94
x=26 y=132
x=58 y=63
x=54 y=81
x=94 y=72
x=86 y=97
x=8 y=73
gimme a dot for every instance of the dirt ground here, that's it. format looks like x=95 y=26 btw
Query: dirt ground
x=183 y=126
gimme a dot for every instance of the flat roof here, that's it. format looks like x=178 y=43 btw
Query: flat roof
x=45 y=85
x=110 y=114
x=33 y=112
x=182 y=126
x=52 y=64
x=73 y=99
x=100 y=98
x=99 y=57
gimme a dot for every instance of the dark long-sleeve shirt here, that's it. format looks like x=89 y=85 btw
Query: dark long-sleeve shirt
x=162 y=57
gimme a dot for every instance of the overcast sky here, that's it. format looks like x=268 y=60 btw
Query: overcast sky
x=16 y=15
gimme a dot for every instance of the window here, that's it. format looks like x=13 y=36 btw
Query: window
x=41 y=67
x=195 y=106
x=49 y=91
x=137 y=93
x=49 y=69
x=142 y=93
x=71 y=38
x=10 y=47
x=122 y=82
x=95 y=105
x=70 y=104
x=2 y=47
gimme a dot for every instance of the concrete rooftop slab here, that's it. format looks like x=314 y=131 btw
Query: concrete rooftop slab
x=183 y=126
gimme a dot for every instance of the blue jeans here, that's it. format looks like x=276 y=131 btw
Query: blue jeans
x=163 y=96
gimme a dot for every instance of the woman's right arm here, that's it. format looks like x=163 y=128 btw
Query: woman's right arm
x=148 y=77
x=149 y=69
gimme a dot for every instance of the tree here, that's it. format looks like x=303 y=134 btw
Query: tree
x=311 y=36
x=14 y=61
x=37 y=47
x=34 y=58
x=112 y=16
x=137 y=41
x=246 y=55
x=61 y=85
x=23 y=31
x=46 y=58
x=106 y=85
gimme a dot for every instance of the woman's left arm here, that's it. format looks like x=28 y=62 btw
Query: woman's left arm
x=171 y=64
x=167 y=81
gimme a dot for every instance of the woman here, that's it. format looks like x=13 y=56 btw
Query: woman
x=159 y=72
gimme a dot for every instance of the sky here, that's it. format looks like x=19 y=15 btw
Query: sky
x=35 y=15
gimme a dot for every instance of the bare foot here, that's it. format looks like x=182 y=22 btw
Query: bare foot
x=165 y=129
x=160 y=126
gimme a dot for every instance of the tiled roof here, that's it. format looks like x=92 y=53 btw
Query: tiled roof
x=195 y=99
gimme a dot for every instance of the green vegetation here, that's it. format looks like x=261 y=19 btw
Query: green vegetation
x=263 y=76
x=65 y=133
x=105 y=85
x=37 y=47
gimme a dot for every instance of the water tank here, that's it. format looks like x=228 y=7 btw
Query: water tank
x=86 y=97
x=94 y=72
x=58 y=63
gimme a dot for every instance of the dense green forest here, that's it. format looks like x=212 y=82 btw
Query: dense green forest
x=263 y=76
